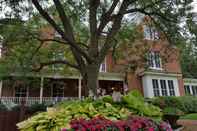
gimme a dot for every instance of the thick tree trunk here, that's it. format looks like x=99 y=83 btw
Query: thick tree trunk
x=92 y=72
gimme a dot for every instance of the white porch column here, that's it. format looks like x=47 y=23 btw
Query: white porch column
x=41 y=88
x=79 y=88
x=1 y=86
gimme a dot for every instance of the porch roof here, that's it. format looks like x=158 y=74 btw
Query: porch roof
x=102 y=76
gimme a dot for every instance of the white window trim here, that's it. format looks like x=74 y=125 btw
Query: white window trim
x=154 y=63
x=190 y=87
x=153 y=34
x=148 y=86
x=105 y=64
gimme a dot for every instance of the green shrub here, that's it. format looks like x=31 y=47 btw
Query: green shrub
x=187 y=104
x=172 y=111
x=15 y=108
x=136 y=102
x=3 y=107
x=36 y=108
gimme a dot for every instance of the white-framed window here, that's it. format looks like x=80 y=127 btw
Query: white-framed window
x=194 y=90
x=154 y=60
x=103 y=66
x=58 y=56
x=20 y=92
x=150 y=33
x=171 y=87
x=163 y=87
x=164 y=91
x=187 y=89
x=190 y=90
x=155 y=87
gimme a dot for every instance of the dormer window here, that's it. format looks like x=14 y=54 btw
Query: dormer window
x=103 y=67
x=154 y=60
x=150 y=33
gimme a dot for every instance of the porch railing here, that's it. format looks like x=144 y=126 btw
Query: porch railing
x=33 y=100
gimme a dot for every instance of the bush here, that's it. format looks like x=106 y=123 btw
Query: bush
x=60 y=116
x=187 y=104
x=132 y=124
x=16 y=108
x=3 y=107
x=36 y=108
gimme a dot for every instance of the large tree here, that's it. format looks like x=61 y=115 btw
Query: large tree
x=102 y=20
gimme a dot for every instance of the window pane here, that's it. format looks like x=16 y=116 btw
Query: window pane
x=147 y=32
x=58 y=90
x=194 y=90
x=155 y=87
x=187 y=90
x=151 y=59
x=20 y=92
x=157 y=60
x=154 y=59
x=171 y=88
x=163 y=88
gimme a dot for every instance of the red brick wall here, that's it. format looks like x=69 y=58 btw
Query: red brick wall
x=181 y=86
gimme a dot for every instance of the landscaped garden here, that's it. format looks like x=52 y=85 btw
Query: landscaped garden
x=132 y=113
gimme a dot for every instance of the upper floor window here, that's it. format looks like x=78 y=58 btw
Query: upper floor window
x=58 y=56
x=154 y=60
x=150 y=33
x=103 y=67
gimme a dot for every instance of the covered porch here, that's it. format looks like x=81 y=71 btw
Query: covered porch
x=50 y=89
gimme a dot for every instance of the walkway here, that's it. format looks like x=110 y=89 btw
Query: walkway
x=189 y=125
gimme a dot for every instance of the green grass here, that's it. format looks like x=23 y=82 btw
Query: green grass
x=192 y=116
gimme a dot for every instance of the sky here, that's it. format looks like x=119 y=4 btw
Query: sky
x=195 y=5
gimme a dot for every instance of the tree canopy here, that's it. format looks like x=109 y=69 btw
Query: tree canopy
x=87 y=27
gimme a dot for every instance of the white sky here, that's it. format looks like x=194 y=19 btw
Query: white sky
x=195 y=5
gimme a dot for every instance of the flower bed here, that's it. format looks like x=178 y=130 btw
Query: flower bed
x=60 y=116
x=132 y=124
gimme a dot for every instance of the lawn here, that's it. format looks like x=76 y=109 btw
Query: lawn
x=192 y=116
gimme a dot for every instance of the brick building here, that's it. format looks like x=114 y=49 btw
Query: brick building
x=161 y=77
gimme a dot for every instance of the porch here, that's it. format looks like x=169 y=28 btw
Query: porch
x=51 y=89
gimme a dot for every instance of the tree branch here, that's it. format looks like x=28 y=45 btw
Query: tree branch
x=93 y=5
x=42 y=65
x=115 y=27
x=65 y=21
x=105 y=18
x=59 y=30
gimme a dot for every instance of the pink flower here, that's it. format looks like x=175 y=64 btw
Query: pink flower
x=151 y=129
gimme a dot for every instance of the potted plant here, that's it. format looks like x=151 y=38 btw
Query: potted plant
x=171 y=115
